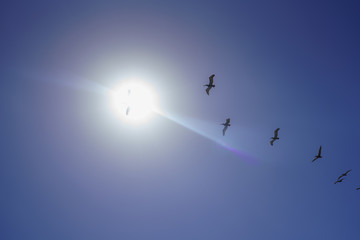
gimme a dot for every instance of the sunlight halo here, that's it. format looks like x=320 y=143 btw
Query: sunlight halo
x=133 y=101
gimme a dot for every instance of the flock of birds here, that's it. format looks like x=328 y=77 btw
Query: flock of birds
x=276 y=132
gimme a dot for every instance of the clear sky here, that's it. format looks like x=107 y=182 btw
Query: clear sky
x=70 y=169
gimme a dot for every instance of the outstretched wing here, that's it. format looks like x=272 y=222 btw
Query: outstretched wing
x=344 y=174
x=211 y=79
x=227 y=120
x=314 y=159
x=276 y=132
x=272 y=142
x=208 y=90
x=319 y=154
x=224 y=130
x=358 y=188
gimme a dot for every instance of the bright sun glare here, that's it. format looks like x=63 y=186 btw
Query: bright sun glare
x=133 y=101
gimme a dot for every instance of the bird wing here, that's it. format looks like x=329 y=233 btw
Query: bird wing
x=276 y=132
x=319 y=151
x=358 y=188
x=272 y=142
x=211 y=79
x=227 y=120
x=224 y=130
x=344 y=174
x=208 y=90
x=314 y=159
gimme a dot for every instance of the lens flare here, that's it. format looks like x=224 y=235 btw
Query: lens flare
x=192 y=126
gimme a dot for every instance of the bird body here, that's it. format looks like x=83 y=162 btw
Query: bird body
x=275 y=137
x=318 y=155
x=211 y=84
x=226 y=125
x=339 y=180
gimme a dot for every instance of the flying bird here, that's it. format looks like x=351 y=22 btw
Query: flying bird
x=226 y=125
x=339 y=180
x=275 y=137
x=128 y=108
x=344 y=174
x=211 y=84
x=318 y=155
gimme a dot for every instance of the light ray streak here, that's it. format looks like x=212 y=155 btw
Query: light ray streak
x=87 y=85
x=244 y=156
x=72 y=81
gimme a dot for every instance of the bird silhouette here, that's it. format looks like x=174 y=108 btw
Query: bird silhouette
x=358 y=188
x=339 y=180
x=318 y=155
x=344 y=174
x=211 y=84
x=128 y=107
x=275 y=137
x=226 y=125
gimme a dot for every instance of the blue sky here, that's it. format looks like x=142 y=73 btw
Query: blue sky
x=70 y=169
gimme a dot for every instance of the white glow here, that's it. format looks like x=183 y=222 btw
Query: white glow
x=133 y=101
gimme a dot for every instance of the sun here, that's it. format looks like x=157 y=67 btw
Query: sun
x=133 y=101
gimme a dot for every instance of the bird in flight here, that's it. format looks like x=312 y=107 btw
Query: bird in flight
x=339 y=180
x=211 y=84
x=128 y=107
x=226 y=125
x=344 y=174
x=318 y=155
x=275 y=137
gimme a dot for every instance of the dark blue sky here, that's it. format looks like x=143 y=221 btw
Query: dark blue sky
x=70 y=169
